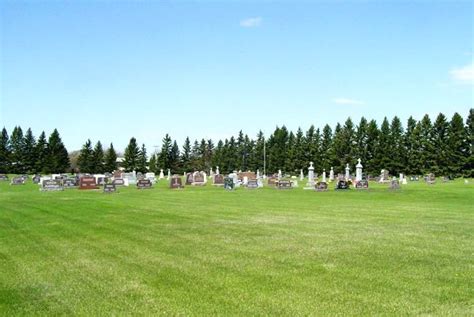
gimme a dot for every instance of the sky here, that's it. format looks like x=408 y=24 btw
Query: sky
x=110 y=70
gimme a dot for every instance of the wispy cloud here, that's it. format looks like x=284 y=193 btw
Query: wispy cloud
x=347 y=101
x=464 y=74
x=251 y=22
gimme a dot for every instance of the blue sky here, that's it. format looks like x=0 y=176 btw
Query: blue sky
x=110 y=70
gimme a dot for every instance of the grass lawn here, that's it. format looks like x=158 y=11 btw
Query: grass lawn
x=205 y=251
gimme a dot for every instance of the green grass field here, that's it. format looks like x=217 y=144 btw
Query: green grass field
x=205 y=251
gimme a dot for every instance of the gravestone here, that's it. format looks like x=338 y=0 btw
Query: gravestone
x=362 y=184
x=131 y=178
x=176 y=182
x=18 y=180
x=3 y=177
x=140 y=176
x=430 y=179
x=272 y=180
x=342 y=184
x=321 y=186
x=199 y=178
x=359 y=171
x=108 y=175
x=36 y=179
x=70 y=182
x=117 y=174
x=144 y=184
x=331 y=174
x=252 y=184
x=102 y=180
x=110 y=188
x=218 y=180
x=51 y=185
x=394 y=184
x=348 y=170
x=87 y=182
x=189 y=178
x=249 y=175
x=228 y=183
x=151 y=177
x=384 y=176
x=283 y=184
x=118 y=182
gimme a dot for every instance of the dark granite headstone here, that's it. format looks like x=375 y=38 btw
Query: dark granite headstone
x=52 y=185
x=229 y=183
x=198 y=178
x=110 y=188
x=102 y=180
x=321 y=186
x=3 y=177
x=176 y=182
x=87 y=182
x=362 y=184
x=342 y=185
x=70 y=182
x=189 y=178
x=36 y=179
x=219 y=179
x=282 y=184
x=144 y=184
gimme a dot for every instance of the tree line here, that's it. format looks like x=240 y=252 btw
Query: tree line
x=443 y=146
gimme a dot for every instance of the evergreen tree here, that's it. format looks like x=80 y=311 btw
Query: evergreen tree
x=291 y=154
x=326 y=148
x=371 y=165
x=218 y=155
x=360 y=150
x=311 y=146
x=469 y=166
x=412 y=159
x=85 y=161
x=131 y=156
x=17 y=151
x=110 y=159
x=427 y=145
x=440 y=143
x=277 y=149
x=337 y=149
x=175 y=165
x=5 y=152
x=383 y=147
x=142 y=160
x=98 y=158
x=195 y=156
x=259 y=151
x=299 y=151
x=41 y=153
x=186 y=156
x=164 y=159
x=397 y=147
x=458 y=146
x=152 y=164
x=29 y=152
x=58 y=157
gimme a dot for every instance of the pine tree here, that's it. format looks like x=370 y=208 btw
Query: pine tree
x=457 y=146
x=469 y=166
x=299 y=151
x=110 y=159
x=85 y=161
x=259 y=151
x=371 y=164
x=291 y=154
x=440 y=143
x=131 y=156
x=326 y=148
x=311 y=146
x=58 y=157
x=152 y=164
x=384 y=147
x=29 y=152
x=142 y=160
x=5 y=152
x=186 y=156
x=165 y=153
x=41 y=151
x=397 y=147
x=412 y=158
x=337 y=149
x=98 y=158
x=360 y=149
x=175 y=165
x=17 y=151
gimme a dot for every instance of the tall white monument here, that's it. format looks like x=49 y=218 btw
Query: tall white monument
x=348 y=170
x=324 y=175
x=331 y=174
x=311 y=174
x=358 y=171
x=161 y=174
x=301 y=175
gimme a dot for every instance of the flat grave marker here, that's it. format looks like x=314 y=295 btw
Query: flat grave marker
x=51 y=185
x=18 y=180
x=110 y=188
x=321 y=186
x=144 y=184
x=362 y=184
x=283 y=184
x=87 y=182
x=342 y=185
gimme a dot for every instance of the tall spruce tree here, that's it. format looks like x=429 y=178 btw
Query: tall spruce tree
x=17 y=151
x=98 y=158
x=142 y=160
x=427 y=145
x=397 y=147
x=360 y=150
x=29 y=152
x=85 y=161
x=371 y=165
x=165 y=154
x=41 y=153
x=58 y=157
x=186 y=156
x=5 y=152
x=326 y=148
x=384 y=147
x=175 y=162
x=458 y=146
x=131 y=156
x=412 y=158
x=440 y=144
x=110 y=159
x=469 y=166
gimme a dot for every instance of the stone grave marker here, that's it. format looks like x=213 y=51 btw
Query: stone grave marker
x=430 y=179
x=51 y=185
x=110 y=188
x=176 y=182
x=394 y=184
x=118 y=182
x=3 y=177
x=87 y=182
x=189 y=178
x=17 y=180
x=252 y=184
x=102 y=180
x=36 y=179
x=362 y=184
x=342 y=184
x=272 y=180
x=199 y=178
x=144 y=184
x=218 y=180
x=284 y=184
x=229 y=183
x=321 y=186
x=70 y=182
